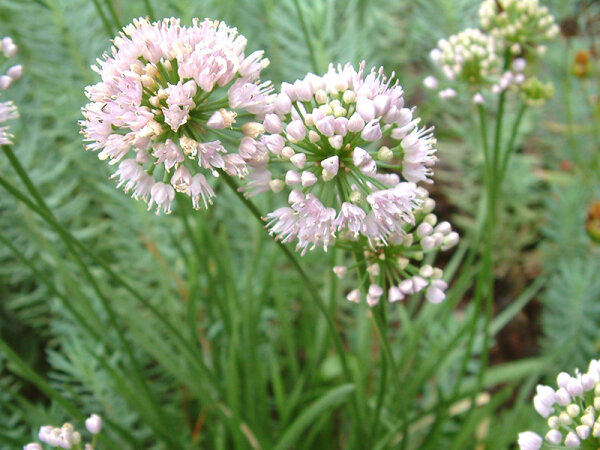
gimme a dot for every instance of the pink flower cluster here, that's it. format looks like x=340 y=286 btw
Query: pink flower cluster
x=153 y=112
x=328 y=131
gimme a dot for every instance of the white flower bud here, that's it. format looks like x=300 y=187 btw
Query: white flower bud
x=572 y=440
x=354 y=296
x=424 y=229
x=15 y=72
x=529 y=440
x=554 y=437
x=33 y=446
x=272 y=124
x=562 y=397
x=574 y=387
x=298 y=160
x=336 y=141
x=395 y=294
x=588 y=419
x=573 y=410
x=308 y=178
x=430 y=82
x=287 y=152
x=252 y=129
x=321 y=96
x=276 y=185
x=583 y=431
x=292 y=178
x=340 y=271
x=553 y=422
x=428 y=205
x=478 y=99
x=349 y=97
x=564 y=418
x=94 y=424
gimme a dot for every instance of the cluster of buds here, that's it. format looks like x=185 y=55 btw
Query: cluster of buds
x=518 y=25
x=398 y=265
x=325 y=141
x=572 y=411
x=155 y=110
x=477 y=57
x=66 y=436
x=469 y=55
x=8 y=110
x=536 y=93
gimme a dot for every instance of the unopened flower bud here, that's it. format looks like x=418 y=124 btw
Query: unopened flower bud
x=94 y=424
x=573 y=410
x=354 y=296
x=385 y=154
x=572 y=440
x=340 y=271
x=276 y=185
x=554 y=437
x=252 y=129
x=292 y=178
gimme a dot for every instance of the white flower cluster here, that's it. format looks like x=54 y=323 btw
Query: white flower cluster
x=469 y=55
x=155 y=110
x=476 y=57
x=398 y=263
x=8 y=110
x=66 y=436
x=572 y=411
x=518 y=24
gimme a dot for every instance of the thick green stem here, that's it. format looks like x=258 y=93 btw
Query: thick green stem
x=314 y=293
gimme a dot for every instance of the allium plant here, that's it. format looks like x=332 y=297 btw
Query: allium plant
x=66 y=436
x=571 y=409
x=8 y=110
x=169 y=94
x=351 y=153
x=518 y=25
x=497 y=58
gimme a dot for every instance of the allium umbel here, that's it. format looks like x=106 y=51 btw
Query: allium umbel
x=572 y=411
x=168 y=95
x=66 y=436
x=337 y=141
x=518 y=25
x=469 y=55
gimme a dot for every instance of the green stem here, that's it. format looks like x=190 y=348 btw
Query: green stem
x=113 y=13
x=314 y=293
x=511 y=144
x=150 y=10
x=307 y=39
x=107 y=27
x=44 y=212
